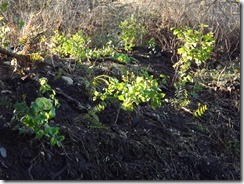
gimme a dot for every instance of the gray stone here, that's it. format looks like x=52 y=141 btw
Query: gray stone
x=68 y=80
x=3 y=152
x=7 y=63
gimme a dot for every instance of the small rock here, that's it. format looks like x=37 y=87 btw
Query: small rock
x=7 y=63
x=6 y=92
x=49 y=157
x=3 y=152
x=68 y=80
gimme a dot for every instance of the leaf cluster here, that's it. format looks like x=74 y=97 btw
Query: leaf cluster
x=200 y=110
x=132 y=90
x=4 y=29
x=131 y=31
x=75 y=45
x=78 y=46
x=36 y=117
x=195 y=47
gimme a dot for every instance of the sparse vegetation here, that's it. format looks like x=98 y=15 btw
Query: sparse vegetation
x=139 y=89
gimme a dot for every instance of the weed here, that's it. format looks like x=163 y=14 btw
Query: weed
x=75 y=45
x=36 y=117
x=200 y=110
x=125 y=58
x=196 y=47
x=131 y=32
x=132 y=90
x=151 y=44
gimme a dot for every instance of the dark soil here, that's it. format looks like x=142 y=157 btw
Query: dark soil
x=163 y=144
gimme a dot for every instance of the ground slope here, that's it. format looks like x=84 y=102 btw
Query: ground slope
x=162 y=144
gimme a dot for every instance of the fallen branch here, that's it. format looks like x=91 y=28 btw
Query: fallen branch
x=76 y=103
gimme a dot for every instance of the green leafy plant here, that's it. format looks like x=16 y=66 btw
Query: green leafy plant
x=124 y=57
x=200 y=110
x=75 y=45
x=131 y=31
x=132 y=90
x=195 y=47
x=4 y=29
x=151 y=44
x=4 y=6
x=181 y=96
x=36 y=57
x=94 y=119
x=36 y=117
x=106 y=50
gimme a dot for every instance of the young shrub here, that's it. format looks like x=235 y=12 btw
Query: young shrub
x=132 y=90
x=131 y=32
x=195 y=47
x=76 y=45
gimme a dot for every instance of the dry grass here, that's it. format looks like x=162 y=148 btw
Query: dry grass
x=223 y=18
x=102 y=17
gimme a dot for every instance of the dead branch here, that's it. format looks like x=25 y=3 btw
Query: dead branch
x=75 y=102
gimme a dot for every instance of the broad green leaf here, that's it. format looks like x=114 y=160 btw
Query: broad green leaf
x=121 y=97
x=34 y=109
x=39 y=134
x=44 y=103
x=120 y=86
x=52 y=113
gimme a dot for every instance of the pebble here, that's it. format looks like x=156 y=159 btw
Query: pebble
x=7 y=63
x=3 y=152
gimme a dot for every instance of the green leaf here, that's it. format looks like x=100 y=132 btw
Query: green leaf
x=53 y=141
x=52 y=113
x=189 y=78
x=121 y=97
x=142 y=98
x=34 y=109
x=120 y=86
x=39 y=134
x=200 y=110
x=27 y=121
x=44 y=103
x=21 y=109
x=41 y=117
